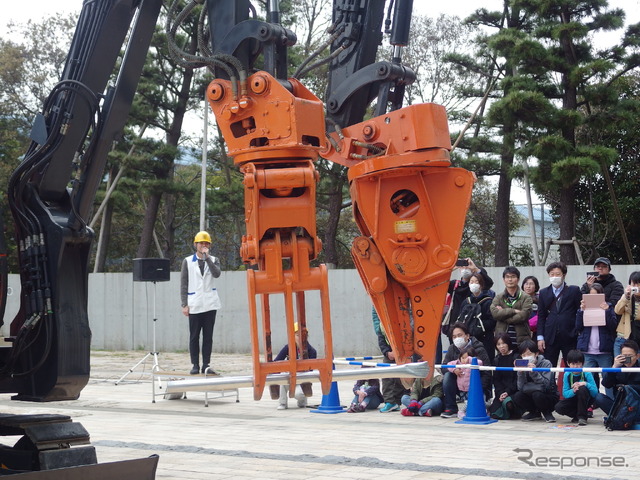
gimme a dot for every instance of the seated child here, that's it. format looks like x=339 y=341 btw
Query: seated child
x=463 y=375
x=367 y=395
x=425 y=399
x=579 y=390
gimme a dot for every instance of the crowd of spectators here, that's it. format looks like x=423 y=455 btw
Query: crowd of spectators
x=525 y=325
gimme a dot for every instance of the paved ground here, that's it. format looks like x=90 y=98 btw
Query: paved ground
x=254 y=440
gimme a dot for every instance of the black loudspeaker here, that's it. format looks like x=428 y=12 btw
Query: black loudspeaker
x=151 y=270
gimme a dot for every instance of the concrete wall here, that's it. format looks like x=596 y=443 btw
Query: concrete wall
x=121 y=311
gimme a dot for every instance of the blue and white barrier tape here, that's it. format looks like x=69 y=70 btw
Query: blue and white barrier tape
x=360 y=358
x=552 y=369
x=364 y=364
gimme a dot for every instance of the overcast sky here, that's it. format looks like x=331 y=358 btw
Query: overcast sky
x=21 y=11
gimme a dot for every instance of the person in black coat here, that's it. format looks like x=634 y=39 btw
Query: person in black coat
x=459 y=290
x=461 y=342
x=504 y=382
x=557 y=307
x=613 y=289
x=480 y=296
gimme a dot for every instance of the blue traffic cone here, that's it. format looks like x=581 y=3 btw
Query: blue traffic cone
x=330 y=403
x=476 y=410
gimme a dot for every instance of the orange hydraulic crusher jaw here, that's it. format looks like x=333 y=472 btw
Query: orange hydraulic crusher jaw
x=274 y=135
x=410 y=206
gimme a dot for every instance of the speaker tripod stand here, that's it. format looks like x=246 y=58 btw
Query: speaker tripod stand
x=154 y=352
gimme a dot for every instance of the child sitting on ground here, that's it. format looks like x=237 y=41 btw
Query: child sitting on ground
x=579 y=390
x=367 y=395
x=425 y=399
x=463 y=375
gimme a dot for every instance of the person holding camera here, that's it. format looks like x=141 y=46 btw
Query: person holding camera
x=628 y=307
x=613 y=289
x=628 y=358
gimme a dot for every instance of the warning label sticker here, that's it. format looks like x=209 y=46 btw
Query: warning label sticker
x=405 y=226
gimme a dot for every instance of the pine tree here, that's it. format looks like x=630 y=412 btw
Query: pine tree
x=563 y=59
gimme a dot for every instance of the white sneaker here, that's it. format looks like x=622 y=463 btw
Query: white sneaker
x=300 y=397
x=282 y=407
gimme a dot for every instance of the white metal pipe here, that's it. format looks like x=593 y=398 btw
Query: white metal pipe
x=408 y=370
x=203 y=167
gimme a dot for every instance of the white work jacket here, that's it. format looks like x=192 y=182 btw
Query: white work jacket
x=202 y=295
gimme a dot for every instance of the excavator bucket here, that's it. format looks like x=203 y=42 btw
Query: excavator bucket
x=410 y=205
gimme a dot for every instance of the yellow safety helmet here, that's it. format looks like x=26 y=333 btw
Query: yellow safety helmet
x=202 y=237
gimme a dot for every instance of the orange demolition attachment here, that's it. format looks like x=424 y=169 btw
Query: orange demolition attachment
x=410 y=205
x=274 y=135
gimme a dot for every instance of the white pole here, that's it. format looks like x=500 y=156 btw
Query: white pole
x=203 y=183
x=408 y=370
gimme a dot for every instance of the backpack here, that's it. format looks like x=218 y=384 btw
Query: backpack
x=471 y=316
x=625 y=410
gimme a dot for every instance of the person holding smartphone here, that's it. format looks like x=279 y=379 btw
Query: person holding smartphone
x=628 y=308
x=628 y=358
x=537 y=391
x=613 y=289
x=459 y=290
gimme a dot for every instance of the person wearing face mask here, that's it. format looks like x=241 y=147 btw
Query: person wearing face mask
x=462 y=341
x=537 y=391
x=557 y=307
x=459 y=290
x=475 y=313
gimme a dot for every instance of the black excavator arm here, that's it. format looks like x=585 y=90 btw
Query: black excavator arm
x=52 y=191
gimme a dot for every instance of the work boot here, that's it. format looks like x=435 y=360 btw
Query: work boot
x=195 y=370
